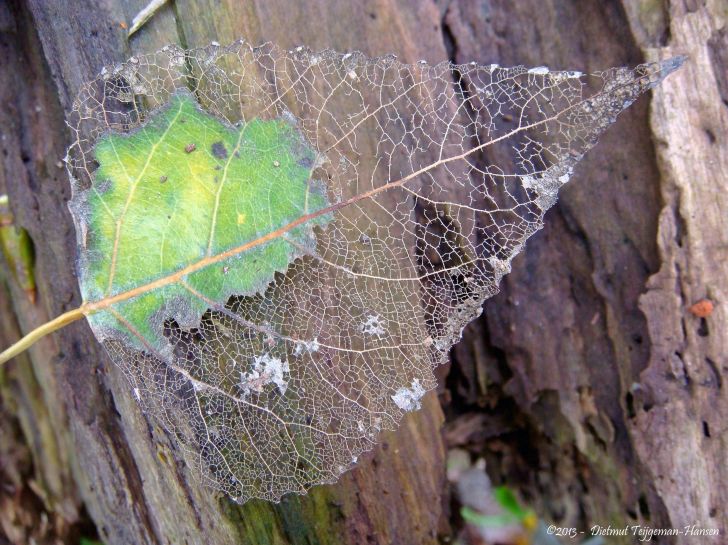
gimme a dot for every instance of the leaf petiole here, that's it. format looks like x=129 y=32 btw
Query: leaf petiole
x=39 y=332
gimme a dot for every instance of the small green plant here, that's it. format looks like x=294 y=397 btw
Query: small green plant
x=513 y=512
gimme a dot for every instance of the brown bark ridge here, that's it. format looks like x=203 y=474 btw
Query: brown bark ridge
x=602 y=394
x=689 y=358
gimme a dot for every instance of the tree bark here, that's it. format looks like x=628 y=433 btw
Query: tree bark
x=588 y=385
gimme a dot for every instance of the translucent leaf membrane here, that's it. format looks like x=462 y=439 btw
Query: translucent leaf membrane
x=430 y=179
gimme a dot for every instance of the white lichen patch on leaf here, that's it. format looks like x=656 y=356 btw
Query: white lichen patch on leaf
x=546 y=185
x=303 y=347
x=266 y=370
x=374 y=325
x=408 y=399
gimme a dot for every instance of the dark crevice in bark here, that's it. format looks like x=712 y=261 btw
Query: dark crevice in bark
x=449 y=40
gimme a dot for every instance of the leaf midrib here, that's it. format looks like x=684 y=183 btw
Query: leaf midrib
x=92 y=307
x=662 y=69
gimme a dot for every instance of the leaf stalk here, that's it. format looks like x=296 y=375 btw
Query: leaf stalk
x=39 y=332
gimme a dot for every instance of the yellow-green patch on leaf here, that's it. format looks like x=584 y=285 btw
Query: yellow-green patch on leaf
x=183 y=188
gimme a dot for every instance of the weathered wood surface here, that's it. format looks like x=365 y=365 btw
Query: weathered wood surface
x=688 y=363
x=604 y=395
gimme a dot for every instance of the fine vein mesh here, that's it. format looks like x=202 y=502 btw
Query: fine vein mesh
x=275 y=391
